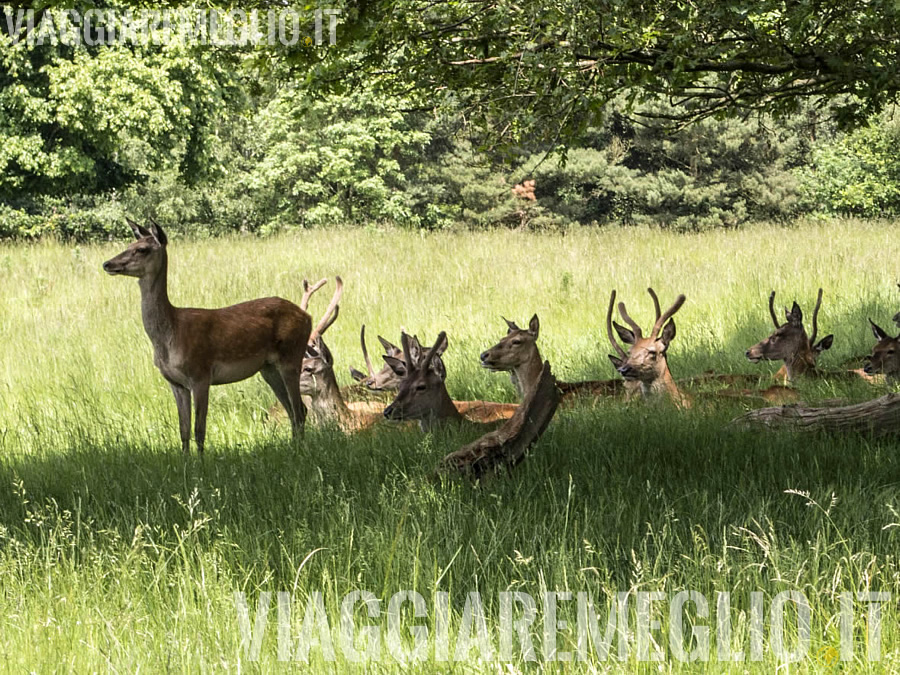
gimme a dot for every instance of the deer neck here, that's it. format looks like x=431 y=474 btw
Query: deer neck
x=443 y=412
x=526 y=376
x=328 y=406
x=800 y=364
x=157 y=312
x=664 y=385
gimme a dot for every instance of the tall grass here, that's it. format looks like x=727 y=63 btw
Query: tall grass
x=116 y=552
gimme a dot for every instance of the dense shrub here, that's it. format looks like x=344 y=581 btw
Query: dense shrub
x=856 y=174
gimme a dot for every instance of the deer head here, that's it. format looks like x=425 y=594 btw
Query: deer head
x=790 y=343
x=385 y=379
x=646 y=360
x=517 y=353
x=515 y=349
x=144 y=258
x=317 y=374
x=885 y=358
x=422 y=394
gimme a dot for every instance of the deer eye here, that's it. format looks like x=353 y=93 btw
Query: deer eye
x=420 y=387
x=517 y=342
x=307 y=369
x=890 y=351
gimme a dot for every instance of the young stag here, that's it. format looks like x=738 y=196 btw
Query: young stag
x=885 y=358
x=517 y=353
x=318 y=381
x=385 y=379
x=197 y=348
x=423 y=396
x=790 y=343
x=646 y=362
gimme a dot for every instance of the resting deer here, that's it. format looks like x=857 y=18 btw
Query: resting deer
x=790 y=343
x=423 y=396
x=885 y=358
x=517 y=353
x=646 y=361
x=197 y=348
x=385 y=379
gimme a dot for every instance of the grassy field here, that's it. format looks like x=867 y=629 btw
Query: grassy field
x=118 y=553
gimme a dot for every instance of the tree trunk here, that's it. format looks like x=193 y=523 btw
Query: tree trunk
x=879 y=417
x=507 y=445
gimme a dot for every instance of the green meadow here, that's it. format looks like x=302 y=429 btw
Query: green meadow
x=118 y=553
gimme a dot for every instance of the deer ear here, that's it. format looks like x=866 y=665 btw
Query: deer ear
x=396 y=365
x=877 y=331
x=388 y=347
x=158 y=233
x=616 y=361
x=437 y=365
x=625 y=335
x=823 y=344
x=139 y=232
x=311 y=352
x=326 y=353
x=415 y=350
x=356 y=375
x=795 y=316
x=668 y=332
x=534 y=326
x=510 y=325
x=896 y=319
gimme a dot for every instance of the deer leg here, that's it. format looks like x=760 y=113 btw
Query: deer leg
x=290 y=377
x=183 y=403
x=273 y=379
x=201 y=406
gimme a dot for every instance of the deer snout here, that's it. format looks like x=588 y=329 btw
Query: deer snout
x=389 y=412
x=868 y=369
x=108 y=267
x=625 y=370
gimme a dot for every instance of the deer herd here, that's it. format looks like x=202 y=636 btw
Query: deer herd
x=197 y=348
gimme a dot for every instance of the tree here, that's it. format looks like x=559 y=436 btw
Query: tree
x=549 y=68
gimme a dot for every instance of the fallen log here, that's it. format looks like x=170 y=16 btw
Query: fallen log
x=879 y=417
x=506 y=446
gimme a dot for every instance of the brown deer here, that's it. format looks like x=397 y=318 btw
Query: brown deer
x=197 y=348
x=885 y=358
x=517 y=353
x=423 y=396
x=646 y=362
x=385 y=379
x=790 y=343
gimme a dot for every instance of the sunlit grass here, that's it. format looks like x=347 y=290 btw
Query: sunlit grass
x=117 y=552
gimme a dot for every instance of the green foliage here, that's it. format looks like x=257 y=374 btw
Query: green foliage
x=857 y=174
x=78 y=120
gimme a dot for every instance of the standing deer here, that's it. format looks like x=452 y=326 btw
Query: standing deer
x=790 y=343
x=197 y=348
x=885 y=358
x=646 y=362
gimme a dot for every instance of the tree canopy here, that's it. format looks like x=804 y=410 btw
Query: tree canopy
x=551 y=67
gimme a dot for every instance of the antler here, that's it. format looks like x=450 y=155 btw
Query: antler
x=772 y=310
x=609 y=331
x=308 y=293
x=660 y=322
x=815 y=324
x=631 y=322
x=362 y=341
x=655 y=303
x=331 y=314
x=511 y=324
x=426 y=362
